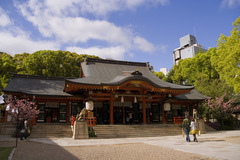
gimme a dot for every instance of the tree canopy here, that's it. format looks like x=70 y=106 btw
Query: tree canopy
x=226 y=60
x=43 y=62
x=216 y=71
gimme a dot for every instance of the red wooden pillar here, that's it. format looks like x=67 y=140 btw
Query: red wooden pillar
x=111 y=109
x=6 y=115
x=34 y=120
x=144 y=110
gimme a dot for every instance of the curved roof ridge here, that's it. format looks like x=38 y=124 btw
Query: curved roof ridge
x=111 y=61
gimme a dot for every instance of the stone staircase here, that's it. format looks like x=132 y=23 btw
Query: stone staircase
x=59 y=130
x=124 y=131
x=51 y=130
x=7 y=128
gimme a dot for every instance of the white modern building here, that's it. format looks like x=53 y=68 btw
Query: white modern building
x=164 y=70
x=188 y=48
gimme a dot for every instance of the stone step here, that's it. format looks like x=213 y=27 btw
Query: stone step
x=104 y=131
x=51 y=130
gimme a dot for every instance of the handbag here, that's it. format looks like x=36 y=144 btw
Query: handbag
x=183 y=133
x=22 y=131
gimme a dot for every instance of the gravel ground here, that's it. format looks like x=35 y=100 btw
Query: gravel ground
x=28 y=150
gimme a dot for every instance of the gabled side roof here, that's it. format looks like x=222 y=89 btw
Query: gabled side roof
x=36 y=85
x=192 y=95
x=111 y=72
x=53 y=86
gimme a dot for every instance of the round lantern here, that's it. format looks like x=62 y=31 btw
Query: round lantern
x=89 y=105
x=167 y=106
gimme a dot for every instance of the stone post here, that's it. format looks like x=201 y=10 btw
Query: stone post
x=80 y=130
x=201 y=126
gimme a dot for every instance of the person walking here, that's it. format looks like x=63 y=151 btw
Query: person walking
x=186 y=128
x=130 y=117
x=22 y=129
x=73 y=118
x=26 y=128
x=193 y=126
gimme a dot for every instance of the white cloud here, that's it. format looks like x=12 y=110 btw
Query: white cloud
x=131 y=4
x=81 y=30
x=99 y=8
x=4 y=18
x=108 y=52
x=143 y=44
x=14 y=40
x=76 y=29
x=17 y=44
x=230 y=3
x=63 y=22
x=73 y=29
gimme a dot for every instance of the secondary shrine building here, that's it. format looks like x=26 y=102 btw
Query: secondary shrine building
x=122 y=92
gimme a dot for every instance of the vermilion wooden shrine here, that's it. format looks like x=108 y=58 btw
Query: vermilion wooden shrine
x=122 y=92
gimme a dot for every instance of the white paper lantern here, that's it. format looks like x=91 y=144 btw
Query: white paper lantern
x=89 y=105
x=167 y=106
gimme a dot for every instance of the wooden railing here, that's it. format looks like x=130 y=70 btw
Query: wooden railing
x=91 y=121
x=178 y=120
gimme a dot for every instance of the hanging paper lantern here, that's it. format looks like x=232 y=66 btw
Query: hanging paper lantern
x=89 y=105
x=167 y=106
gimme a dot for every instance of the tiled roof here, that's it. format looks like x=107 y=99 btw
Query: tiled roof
x=102 y=72
x=192 y=95
x=36 y=85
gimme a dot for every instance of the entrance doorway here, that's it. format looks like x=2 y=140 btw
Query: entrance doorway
x=127 y=114
x=52 y=115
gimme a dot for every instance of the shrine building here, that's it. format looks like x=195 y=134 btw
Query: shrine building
x=122 y=92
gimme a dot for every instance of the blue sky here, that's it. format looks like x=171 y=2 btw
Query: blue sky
x=132 y=30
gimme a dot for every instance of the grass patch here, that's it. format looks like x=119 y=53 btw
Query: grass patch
x=5 y=152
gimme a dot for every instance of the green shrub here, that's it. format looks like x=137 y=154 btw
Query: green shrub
x=91 y=132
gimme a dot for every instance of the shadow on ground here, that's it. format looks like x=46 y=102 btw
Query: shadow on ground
x=28 y=150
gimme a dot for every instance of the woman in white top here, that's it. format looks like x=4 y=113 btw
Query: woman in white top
x=193 y=126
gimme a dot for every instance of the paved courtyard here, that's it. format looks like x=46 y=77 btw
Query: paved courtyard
x=214 y=145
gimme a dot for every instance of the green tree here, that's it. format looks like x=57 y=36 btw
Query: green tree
x=7 y=67
x=200 y=72
x=170 y=75
x=43 y=62
x=227 y=58
x=54 y=63
x=18 y=59
x=160 y=75
x=191 y=69
x=212 y=87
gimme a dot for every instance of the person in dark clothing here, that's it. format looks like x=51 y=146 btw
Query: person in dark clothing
x=186 y=128
x=22 y=129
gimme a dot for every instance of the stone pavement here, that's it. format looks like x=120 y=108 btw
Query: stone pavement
x=217 y=145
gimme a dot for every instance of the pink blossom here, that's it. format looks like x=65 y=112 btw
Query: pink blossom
x=21 y=108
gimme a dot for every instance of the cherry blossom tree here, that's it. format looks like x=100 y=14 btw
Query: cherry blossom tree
x=222 y=109
x=21 y=109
